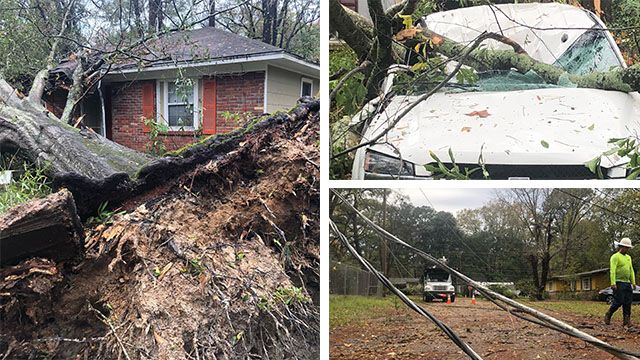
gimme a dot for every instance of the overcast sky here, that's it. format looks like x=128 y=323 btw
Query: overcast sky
x=451 y=200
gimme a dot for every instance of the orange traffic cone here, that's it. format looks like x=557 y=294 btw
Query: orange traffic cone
x=473 y=299
x=448 y=299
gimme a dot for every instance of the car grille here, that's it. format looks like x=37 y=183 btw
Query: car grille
x=534 y=172
x=439 y=287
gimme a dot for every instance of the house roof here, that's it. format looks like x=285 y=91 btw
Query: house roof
x=201 y=45
x=592 y=272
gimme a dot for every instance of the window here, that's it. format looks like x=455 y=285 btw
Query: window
x=572 y=285
x=178 y=104
x=586 y=284
x=307 y=87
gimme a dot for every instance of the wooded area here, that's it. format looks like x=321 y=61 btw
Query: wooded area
x=522 y=236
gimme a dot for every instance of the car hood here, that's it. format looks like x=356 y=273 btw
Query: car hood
x=566 y=126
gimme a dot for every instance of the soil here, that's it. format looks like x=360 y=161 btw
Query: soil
x=402 y=334
x=221 y=263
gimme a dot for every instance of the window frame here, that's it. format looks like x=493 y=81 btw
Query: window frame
x=162 y=89
x=587 y=279
x=304 y=80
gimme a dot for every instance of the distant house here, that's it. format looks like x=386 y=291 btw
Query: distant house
x=586 y=283
x=200 y=81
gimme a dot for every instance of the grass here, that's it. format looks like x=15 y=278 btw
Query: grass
x=583 y=307
x=32 y=184
x=345 y=310
x=350 y=309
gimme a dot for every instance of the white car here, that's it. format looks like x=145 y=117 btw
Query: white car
x=521 y=127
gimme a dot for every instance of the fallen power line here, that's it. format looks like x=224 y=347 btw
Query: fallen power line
x=517 y=309
x=405 y=299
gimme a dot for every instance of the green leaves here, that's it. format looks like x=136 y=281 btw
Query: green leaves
x=454 y=172
x=628 y=148
x=544 y=144
x=466 y=76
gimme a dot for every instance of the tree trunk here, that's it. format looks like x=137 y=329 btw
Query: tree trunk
x=74 y=95
x=138 y=17
x=48 y=228
x=95 y=169
x=78 y=158
x=353 y=30
x=212 y=11
x=155 y=15
x=626 y=80
x=533 y=263
x=270 y=18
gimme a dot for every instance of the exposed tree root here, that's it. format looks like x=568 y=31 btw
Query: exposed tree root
x=216 y=258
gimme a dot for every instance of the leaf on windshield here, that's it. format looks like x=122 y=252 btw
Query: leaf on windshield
x=545 y=144
x=466 y=129
x=436 y=40
x=593 y=126
x=407 y=34
x=481 y=113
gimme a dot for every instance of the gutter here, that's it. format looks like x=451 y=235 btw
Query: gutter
x=266 y=56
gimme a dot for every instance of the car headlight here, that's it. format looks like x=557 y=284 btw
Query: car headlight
x=451 y=288
x=378 y=163
x=428 y=288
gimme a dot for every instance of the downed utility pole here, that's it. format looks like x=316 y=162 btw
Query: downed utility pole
x=415 y=307
x=539 y=318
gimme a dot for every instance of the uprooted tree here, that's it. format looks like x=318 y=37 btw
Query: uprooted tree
x=209 y=252
x=218 y=255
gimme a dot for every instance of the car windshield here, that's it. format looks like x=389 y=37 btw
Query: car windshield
x=436 y=275
x=591 y=52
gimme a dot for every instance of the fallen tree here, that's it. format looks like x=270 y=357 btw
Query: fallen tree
x=216 y=257
x=46 y=227
x=359 y=33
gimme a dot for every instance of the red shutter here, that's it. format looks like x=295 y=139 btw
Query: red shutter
x=148 y=102
x=209 y=106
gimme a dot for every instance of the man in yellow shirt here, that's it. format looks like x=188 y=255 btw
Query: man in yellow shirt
x=623 y=281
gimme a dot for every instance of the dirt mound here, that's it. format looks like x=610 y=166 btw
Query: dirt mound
x=222 y=262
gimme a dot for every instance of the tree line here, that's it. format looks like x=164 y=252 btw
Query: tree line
x=522 y=235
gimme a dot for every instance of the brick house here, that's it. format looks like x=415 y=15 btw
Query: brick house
x=204 y=81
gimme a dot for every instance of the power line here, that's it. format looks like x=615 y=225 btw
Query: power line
x=519 y=310
x=461 y=240
x=412 y=305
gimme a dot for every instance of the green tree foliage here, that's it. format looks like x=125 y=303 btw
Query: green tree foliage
x=494 y=242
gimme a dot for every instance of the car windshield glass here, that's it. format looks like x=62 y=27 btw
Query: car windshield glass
x=591 y=52
x=436 y=275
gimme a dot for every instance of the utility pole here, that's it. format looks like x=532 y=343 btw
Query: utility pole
x=384 y=263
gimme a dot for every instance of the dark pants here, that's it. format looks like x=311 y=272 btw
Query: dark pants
x=622 y=296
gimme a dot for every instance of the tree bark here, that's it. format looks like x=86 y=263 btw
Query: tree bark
x=212 y=12
x=48 y=228
x=155 y=15
x=74 y=95
x=355 y=30
x=95 y=169
x=358 y=34
x=626 y=80
x=138 y=17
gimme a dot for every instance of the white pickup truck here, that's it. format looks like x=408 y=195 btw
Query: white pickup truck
x=523 y=127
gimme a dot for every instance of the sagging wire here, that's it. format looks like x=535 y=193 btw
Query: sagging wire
x=405 y=299
x=540 y=317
